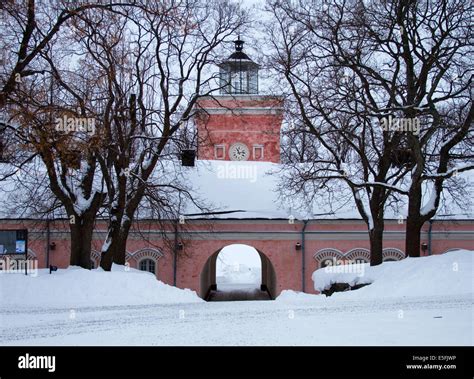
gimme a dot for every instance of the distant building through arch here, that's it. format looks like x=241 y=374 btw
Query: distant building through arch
x=208 y=277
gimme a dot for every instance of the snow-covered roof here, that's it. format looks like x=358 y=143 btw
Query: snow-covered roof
x=244 y=189
x=247 y=190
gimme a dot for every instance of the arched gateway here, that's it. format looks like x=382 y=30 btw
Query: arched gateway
x=208 y=278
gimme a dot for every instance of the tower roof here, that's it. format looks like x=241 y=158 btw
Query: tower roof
x=238 y=73
x=239 y=55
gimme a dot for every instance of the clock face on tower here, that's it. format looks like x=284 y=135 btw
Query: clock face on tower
x=239 y=152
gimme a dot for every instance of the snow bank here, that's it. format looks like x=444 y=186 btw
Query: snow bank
x=77 y=287
x=446 y=274
x=437 y=275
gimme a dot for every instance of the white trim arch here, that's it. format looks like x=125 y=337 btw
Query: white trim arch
x=149 y=253
x=392 y=253
x=96 y=255
x=327 y=253
x=358 y=253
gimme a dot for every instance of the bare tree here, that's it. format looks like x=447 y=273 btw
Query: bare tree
x=136 y=73
x=68 y=153
x=153 y=79
x=436 y=51
x=323 y=54
x=52 y=116
x=352 y=67
x=26 y=28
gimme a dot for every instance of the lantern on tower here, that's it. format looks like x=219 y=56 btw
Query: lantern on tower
x=238 y=73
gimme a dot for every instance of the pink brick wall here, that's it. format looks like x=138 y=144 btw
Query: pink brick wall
x=249 y=128
x=278 y=247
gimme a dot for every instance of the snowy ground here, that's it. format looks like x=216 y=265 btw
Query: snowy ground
x=350 y=318
x=414 y=321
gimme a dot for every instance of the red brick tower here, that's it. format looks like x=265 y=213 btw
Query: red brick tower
x=239 y=124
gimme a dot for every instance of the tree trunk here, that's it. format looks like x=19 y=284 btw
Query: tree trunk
x=414 y=221
x=378 y=225
x=81 y=242
x=412 y=237
x=106 y=259
x=117 y=248
x=107 y=256
x=121 y=246
x=376 y=245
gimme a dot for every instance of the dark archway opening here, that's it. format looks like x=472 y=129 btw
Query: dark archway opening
x=213 y=289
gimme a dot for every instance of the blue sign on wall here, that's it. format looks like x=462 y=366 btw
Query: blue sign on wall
x=13 y=241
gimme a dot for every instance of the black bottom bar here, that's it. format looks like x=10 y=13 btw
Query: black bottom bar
x=291 y=362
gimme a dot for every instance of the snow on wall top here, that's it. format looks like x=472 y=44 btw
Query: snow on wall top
x=251 y=189
x=246 y=190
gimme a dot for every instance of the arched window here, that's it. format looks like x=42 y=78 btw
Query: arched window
x=358 y=255
x=392 y=254
x=148 y=265
x=146 y=259
x=327 y=257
